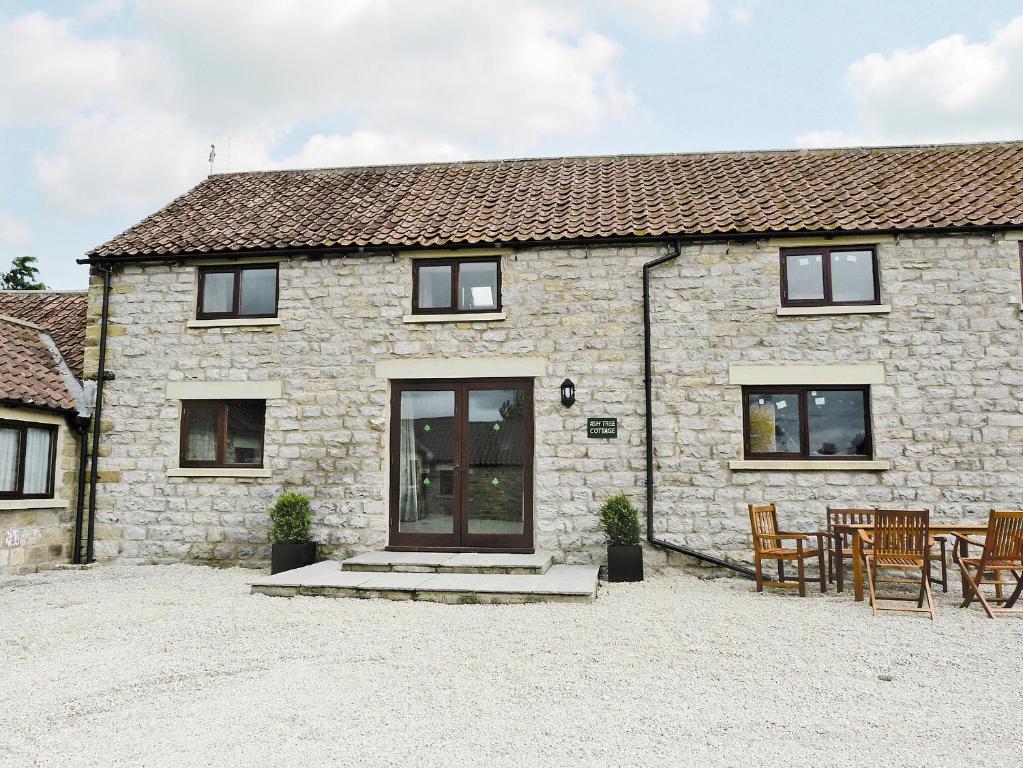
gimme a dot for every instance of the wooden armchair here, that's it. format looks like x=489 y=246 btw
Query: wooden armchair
x=901 y=542
x=840 y=546
x=1002 y=551
x=768 y=544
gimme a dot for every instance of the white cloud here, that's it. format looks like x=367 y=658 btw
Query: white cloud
x=741 y=11
x=662 y=17
x=12 y=231
x=49 y=73
x=951 y=90
x=319 y=82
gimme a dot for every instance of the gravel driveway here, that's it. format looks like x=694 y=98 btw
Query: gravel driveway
x=180 y=666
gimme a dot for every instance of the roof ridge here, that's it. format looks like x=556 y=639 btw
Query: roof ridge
x=860 y=148
x=82 y=291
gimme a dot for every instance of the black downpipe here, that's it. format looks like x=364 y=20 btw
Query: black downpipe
x=97 y=413
x=648 y=387
x=82 y=428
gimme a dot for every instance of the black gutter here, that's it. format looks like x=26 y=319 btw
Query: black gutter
x=82 y=428
x=97 y=413
x=648 y=391
x=321 y=251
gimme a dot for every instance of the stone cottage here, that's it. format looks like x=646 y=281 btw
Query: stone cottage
x=473 y=356
x=43 y=414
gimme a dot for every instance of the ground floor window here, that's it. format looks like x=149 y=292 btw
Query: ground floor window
x=27 y=460
x=222 y=433
x=807 y=422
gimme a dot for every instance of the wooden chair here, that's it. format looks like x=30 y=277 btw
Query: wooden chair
x=767 y=545
x=1002 y=551
x=840 y=546
x=901 y=542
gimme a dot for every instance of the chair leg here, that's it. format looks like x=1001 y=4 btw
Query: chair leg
x=1011 y=602
x=944 y=568
x=820 y=567
x=781 y=570
x=758 y=569
x=831 y=564
x=927 y=591
x=975 y=582
x=870 y=586
x=840 y=573
x=801 y=570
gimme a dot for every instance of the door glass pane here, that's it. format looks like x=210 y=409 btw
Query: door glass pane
x=804 y=276
x=477 y=285
x=495 y=436
x=218 y=292
x=259 y=292
x=10 y=443
x=426 y=462
x=773 y=423
x=434 y=287
x=38 y=444
x=837 y=423
x=852 y=276
x=201 y=440
x=245 y=432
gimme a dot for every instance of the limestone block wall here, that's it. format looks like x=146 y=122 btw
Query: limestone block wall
x=947 y=416
x=38 y=534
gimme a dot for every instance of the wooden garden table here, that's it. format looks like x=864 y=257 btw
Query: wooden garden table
x=937 y=529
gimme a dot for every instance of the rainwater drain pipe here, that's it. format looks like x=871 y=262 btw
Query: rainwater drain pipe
x=648 y=386
x=97 y=413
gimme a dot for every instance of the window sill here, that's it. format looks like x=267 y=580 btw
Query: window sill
x=457 y=317
x=8 y=505
x=788 y=465
x=861 y=309
x=235 y=322
x=217 y=472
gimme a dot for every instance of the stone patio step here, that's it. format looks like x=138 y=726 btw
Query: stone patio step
x=559 y=583
x=450 y=562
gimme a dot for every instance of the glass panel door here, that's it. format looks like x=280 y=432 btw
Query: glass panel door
x=496 y=481
x=461 y=464
x=427 y=501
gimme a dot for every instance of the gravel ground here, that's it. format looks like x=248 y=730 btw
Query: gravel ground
x=180 y=666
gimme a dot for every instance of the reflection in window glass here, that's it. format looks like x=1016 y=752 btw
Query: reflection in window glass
x=435 y=287
x=852 y=276
x=773 y=422
x=804 y=277
x=38 y=448
x=10 y=445
x=201 y=440
x=426 y=462
x=259 y=292
x=477 y=285
x=245 y=432
x=218 y=292
x=837 y=420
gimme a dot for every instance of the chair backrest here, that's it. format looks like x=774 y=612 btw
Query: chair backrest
x=840 y=516
x=901 y=532
x=1004 y=540
x=763 y=519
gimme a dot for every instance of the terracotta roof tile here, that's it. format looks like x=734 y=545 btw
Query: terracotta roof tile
x=29 y=371
x=797 y=191
x=60 y=313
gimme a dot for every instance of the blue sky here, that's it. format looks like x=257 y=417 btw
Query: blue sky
x=108 y=107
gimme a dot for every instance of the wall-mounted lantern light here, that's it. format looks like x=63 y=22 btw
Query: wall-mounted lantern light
x=567 y=393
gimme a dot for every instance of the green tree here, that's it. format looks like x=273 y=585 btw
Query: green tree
x=22 y=276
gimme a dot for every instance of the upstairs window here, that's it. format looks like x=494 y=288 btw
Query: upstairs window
x=27 y=460
x=222 y=434
x=242 y=291
x=445 y=286
x=826 y=277
x=807 y=422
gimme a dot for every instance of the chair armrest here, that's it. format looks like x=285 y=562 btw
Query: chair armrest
x=968 y=540
x=780 y=536
x=865 y=536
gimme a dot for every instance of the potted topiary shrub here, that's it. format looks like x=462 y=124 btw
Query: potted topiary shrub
x=292 y=545
x=620 y=522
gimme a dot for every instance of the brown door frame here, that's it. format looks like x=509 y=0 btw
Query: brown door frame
x=460 y=540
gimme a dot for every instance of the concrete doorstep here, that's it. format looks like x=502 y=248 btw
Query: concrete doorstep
x=558 y=583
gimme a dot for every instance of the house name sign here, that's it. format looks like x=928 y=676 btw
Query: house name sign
x=601 y=427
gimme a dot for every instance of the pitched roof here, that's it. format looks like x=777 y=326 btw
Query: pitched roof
x=60 y=313
x=791 y=191
x=29 y=371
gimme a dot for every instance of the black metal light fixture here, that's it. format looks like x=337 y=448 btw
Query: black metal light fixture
x=567 y=393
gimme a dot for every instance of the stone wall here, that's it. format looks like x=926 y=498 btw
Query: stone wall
x=947 y=418
x=38 y=534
